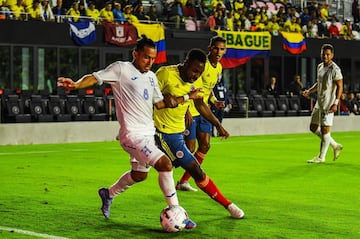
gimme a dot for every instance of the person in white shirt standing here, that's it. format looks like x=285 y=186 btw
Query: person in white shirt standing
x=135 y=88
x=329 y=87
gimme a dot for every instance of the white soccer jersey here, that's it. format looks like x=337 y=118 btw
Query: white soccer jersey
x=326 y=91
x=134 y=93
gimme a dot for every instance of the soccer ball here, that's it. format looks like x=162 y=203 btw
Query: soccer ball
x=173 y=218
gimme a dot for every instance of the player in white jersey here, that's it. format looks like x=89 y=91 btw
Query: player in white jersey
x=329 y=87
x=135 y=88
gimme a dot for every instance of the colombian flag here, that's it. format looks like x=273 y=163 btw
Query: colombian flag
x=156 y=33
x=242 y=46
x=293 y=42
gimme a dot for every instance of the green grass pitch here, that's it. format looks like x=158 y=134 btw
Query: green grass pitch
x=52 y=189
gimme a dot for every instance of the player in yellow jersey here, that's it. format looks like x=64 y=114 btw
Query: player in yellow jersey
x=179 y=80
x=201 y=129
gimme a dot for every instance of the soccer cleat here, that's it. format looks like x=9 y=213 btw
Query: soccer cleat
x=106 y=201
x=337 y=150
x=185 y=186
x=235 y=211
x=189 y=224
x=316 y=160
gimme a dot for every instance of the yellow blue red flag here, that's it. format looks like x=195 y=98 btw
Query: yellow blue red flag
x=242 y=46
x=156 y=33
x=294 y=42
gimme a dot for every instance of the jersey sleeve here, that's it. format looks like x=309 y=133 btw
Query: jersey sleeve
x=110 y=74
x=338 y=74
x=162 y=75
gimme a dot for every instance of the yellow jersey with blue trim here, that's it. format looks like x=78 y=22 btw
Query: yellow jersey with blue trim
x=172 y=120
x=210 y=77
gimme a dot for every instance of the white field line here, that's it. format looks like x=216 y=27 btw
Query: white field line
x=30 y=233
x=50 y=151
x=242 y=141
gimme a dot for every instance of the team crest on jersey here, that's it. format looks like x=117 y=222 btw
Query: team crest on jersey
x=186 y=132
x=192 y=88
x=151 y=81
x=179 y=154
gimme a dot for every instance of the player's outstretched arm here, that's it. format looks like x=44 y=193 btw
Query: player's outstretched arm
x=205 y=111
x=85 y=82
x=313 y=89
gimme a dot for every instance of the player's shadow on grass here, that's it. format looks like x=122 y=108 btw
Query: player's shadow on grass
x=135 y=229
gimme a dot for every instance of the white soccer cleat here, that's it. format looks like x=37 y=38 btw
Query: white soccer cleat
x=316 y=160
x=337 y=150
x=185 y=186
x=235 y=211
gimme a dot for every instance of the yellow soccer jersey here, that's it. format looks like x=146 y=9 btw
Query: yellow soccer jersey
x=172 y=120
x=209 y=77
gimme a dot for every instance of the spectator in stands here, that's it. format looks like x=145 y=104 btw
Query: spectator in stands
x=82 y=10
x=211 y=21
x=322 y=31
x=204 y=10
x=35 y=11
x=246 y=22
x=74 y=13
x=346 y=30
x=220 y=21
x=281 y=14
x=238 y=4
x=333 y=28
x=292 y=25
x=313 y=9
x=358 y=99
x=296 y=86
x=153 y=13
x=324 y=13
x=176 y=13
x=129 y=15
x=27 y=4
x=355 y=11
x=273 y=26
x=140 y=13
x=305 y=17
x=272 y=88
x=4 y=10
x=92 y=12
x=343 y=105
x=261 y=19
x=352 y=104
x=46 y=11
x=229 y=21
x=18 y=10
x=310 y=30
x=221 y=93
x=59 y=10
x=218 y=4
x=106 y=13
x=189 y=11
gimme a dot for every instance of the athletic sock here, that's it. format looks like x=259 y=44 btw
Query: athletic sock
x=333 y=143
x=166 y=182
x=209 y=187
x=325 y=142
x=124 y=182
x=199 y=157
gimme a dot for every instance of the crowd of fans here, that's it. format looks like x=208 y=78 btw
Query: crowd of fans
x=350 y=103
x=274 y=16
